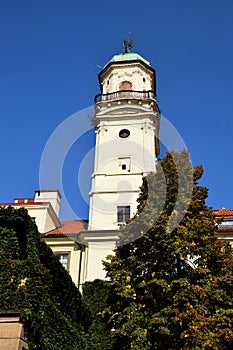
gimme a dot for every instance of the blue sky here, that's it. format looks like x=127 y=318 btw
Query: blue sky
x=49 y=53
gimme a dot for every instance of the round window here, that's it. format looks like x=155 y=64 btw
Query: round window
x=124 y=133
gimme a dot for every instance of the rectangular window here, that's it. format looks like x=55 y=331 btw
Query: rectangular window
x=123 y=213
x=226 y=223
x=124 y=164
x=64 y=259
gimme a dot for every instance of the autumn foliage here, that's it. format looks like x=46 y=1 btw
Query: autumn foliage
x=171 y=279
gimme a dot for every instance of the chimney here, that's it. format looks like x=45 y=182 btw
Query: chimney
x=52 y=196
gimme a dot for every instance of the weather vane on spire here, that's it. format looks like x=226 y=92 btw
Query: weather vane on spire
x=128 y=43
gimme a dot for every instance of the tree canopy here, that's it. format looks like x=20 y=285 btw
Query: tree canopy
x=33 y=281
x=171 y=279
x=98 y=337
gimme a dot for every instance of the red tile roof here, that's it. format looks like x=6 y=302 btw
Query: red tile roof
x=223 y=212
x=225 y=228
x=24 y=200
x=20 y=204
x=69 y=227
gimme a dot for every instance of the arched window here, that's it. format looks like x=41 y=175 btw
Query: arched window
x=125 y=85
x=125 y=88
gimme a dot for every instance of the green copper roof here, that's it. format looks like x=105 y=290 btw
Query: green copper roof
x=128 y=57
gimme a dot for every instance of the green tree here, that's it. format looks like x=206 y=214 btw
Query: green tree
x=171 y=279
x=99 y=336
x=33 y=281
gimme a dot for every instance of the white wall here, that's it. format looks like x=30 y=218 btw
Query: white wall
x=111 y=185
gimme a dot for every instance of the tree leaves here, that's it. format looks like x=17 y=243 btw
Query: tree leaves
x=170 y=278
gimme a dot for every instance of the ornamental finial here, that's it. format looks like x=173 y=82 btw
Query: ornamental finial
x=128 y=43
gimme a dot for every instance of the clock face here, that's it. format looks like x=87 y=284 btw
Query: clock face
x=124 y=133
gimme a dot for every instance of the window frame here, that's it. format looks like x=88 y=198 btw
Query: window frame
x=58 y=254
x=123 y=213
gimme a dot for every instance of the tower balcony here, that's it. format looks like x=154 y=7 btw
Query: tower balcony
x=125 y=95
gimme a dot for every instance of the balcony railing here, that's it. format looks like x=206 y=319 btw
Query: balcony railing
x=125 y=94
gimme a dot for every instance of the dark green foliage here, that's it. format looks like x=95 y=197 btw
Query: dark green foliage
x=95 y=294
x=33 y=281
x=99 y=335
x=172 y=287
x=69 y=299
x=24 y=227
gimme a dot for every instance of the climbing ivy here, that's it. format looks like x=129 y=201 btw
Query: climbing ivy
x=33 y=281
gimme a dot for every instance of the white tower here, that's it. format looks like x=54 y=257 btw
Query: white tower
x=127 y=123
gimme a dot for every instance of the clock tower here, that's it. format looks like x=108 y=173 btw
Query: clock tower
x=126 y=122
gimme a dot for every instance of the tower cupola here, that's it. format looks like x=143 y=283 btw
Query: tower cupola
x=128 y=75
x=128 y=82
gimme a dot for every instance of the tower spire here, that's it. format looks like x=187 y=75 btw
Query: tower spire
x=128 y=43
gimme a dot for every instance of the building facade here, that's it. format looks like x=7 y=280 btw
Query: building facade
x=126 y=122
